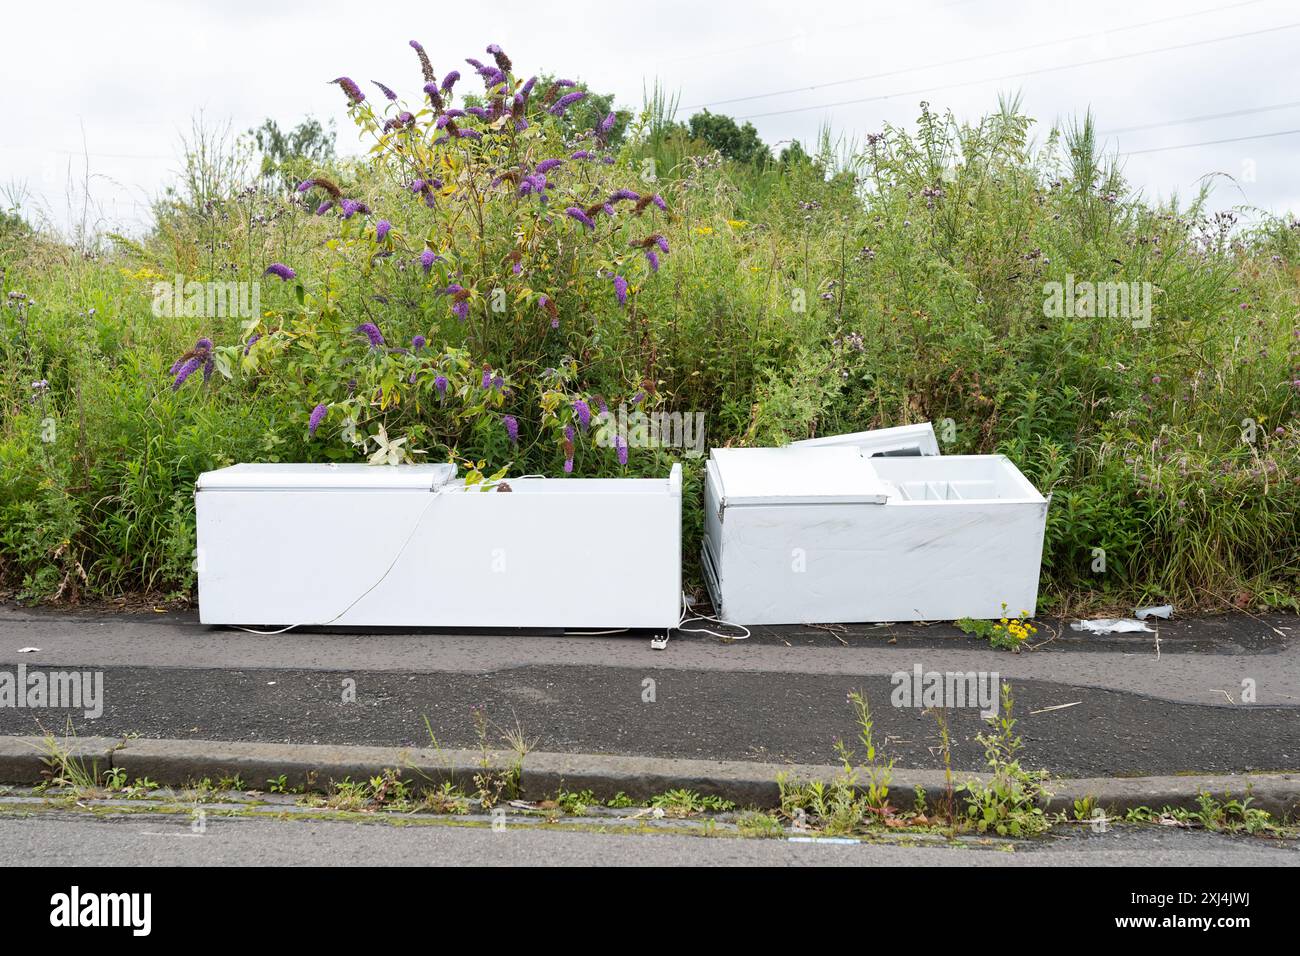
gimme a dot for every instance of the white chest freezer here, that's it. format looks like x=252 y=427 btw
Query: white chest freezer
x=410 y=545
x=825 y=532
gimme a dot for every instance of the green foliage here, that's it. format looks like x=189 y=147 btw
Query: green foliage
x=848 y=287
x=1009 y=802
x=849 y=802
x=735 y=142
x=683 y=803
x=1010 y=633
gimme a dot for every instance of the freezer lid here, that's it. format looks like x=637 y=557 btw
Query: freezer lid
x=350 y=476
x=901 y=440
x=784 y=476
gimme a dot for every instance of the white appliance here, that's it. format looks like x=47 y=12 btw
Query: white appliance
x=410 y=545
x=901 y=440
x=825 y=532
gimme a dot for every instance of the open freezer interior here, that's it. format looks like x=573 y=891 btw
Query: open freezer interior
x=954 y=478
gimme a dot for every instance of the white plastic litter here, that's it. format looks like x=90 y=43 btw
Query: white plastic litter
x=1164 y=611
x=1111 y=625
x=28 y=650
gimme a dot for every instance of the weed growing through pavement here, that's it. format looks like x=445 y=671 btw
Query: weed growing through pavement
x=681 y=803
x=1009 y=633
x=1009 y=802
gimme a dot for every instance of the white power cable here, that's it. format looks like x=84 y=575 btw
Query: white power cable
x=713 y=620
x=433 y=495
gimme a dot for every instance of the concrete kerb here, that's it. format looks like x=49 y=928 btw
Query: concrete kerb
x=25 y=759
x=315 y=767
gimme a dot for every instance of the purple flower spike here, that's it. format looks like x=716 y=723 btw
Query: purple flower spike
x=607 y=124
x=426 y=260
x=385 y=90
x=305 y=185
x=620 y=443
x=371 y=332
x=350 y=207
x=653 y=259
x=449 y=80
x=355 y=96
x=512 y=428
x=440 y=383
x=546 y=165
x=487 y=378
x=583 y=411
x=381 y=229
x=184 y=371
x=583 y=154
x=252 y=340
x=418 y=342
x=565 y=101
x=568 y=466
x=279 y=269
x=189 y=363
x=460 y=310
x=317 y=416
x=622 y=194
x=469 y=134
x=325 y=207
x=426 y=68
x=620 y=290
x=659 y=201
x=573 y=212
x=662 y=243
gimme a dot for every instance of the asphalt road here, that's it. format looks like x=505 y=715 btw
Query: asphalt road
x=74 y=840
x=1112 y=706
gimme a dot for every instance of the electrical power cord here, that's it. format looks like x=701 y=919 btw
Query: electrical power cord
x=433 y=496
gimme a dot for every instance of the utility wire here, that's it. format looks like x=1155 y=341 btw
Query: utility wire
x=1200 y=119
x=1211 y=142
x=1048 y=69
x=786 y=39
x=977 y=56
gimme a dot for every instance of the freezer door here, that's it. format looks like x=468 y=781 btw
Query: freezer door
x=900 y=441
x=788 y=476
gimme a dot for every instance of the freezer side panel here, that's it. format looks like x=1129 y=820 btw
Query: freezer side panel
x=897 y=562
x=280 y=558
x=473 y=559
x=576 y=561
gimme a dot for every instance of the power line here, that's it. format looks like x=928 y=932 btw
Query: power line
x=1048 y=69
x=978 y=56
x=1211 y=142
x=1200 y=119
x=786 y=39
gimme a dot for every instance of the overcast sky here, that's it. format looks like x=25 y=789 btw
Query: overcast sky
x=122 y=81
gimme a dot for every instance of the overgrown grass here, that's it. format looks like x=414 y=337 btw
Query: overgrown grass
x=900 y=281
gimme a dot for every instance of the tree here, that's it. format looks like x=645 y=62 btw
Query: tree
x=738 y=143
x=289 y=156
